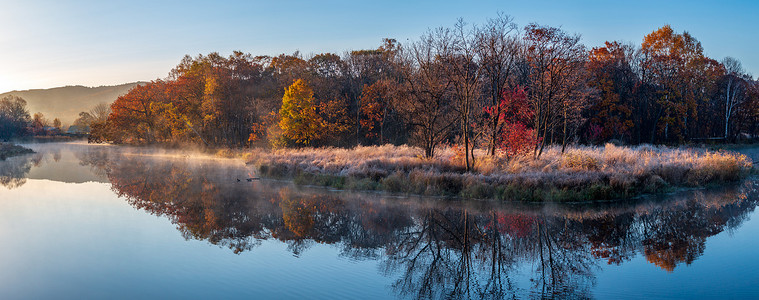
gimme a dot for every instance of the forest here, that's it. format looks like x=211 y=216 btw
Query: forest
x=495 y=86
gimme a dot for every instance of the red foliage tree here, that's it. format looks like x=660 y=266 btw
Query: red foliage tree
x=513 y=113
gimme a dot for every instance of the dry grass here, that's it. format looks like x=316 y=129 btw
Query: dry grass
x=581 y=173
x=376 y=161
x=679 y=166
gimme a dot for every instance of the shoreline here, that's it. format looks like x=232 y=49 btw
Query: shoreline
x=583 y=174
x=9 y=150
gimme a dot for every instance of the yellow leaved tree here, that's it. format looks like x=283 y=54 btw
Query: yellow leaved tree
x=298 y=118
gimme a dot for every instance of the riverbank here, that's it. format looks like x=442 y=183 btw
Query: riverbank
x=8 y=150
x=580 y=174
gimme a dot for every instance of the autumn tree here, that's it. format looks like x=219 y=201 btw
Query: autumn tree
x=611 y=74
x=328 y=77
x=556 y=82
x=747 y=116
x=514 y=115
x=336 y=121
x=298 y=118
x=217 y=99
x=377 y=108
x=423 y=100
x=499 y=49
x=707 y=74
x=667 y=63
x=39 y=123
x=133 y=117
x=366 y=67
x=14 y=117
x=289 y=68
x=330 y=80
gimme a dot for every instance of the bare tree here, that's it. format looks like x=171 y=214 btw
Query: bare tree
x=499 y=49
x=459 y=52
x=734 y=88
x=556 y=61
x=423 y=100
x=100 y=112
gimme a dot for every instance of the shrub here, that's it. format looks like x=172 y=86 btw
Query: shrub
x=477 y=189
x=225 y=153
x=395 y=183
x=363 y=184
x=579 y=160
x=305 y=178
x=654 y=184
x=673 y=173
x=623 y=182
x=613 y=155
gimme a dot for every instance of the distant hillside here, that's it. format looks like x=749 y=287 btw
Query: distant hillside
x=67 y=102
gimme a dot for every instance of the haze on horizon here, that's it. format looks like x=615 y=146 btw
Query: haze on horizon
x=47 y=44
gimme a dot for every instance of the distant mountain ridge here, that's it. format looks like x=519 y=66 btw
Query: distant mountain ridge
x=67 y=102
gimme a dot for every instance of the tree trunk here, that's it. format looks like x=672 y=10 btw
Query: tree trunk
x=564 y=137
x=465 y=127
x=727 y=106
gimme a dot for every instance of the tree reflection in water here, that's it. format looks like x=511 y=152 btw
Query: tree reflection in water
x=436 y=248
x=14 y=170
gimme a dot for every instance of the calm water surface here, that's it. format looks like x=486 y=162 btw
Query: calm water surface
x=80 y=221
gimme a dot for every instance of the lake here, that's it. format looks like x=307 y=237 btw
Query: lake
x=90 y=221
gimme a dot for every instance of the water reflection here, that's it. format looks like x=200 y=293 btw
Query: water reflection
x=14 y=170
x=435 y=248
x=63 y=162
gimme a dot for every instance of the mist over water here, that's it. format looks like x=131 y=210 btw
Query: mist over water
x=90 y=221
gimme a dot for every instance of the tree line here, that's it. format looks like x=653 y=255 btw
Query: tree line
x=496 y=86
x=17 y=122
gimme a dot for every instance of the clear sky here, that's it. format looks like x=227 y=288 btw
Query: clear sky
x=47 y=44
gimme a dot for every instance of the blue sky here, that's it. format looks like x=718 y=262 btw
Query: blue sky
x=46 y=44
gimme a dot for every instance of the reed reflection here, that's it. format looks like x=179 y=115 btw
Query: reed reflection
x=435 y=248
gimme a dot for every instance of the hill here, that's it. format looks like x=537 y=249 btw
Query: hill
x=67 y=102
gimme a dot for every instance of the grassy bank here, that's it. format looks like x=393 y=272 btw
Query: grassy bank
x=580 y=174
x=8 y=150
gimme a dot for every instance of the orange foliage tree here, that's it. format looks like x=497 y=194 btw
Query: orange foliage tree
x=133 y=115
x=376 y=101
x=611 y=75
x=669 y=60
